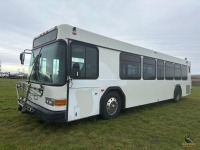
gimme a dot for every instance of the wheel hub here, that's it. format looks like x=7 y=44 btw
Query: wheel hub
x=112 y=106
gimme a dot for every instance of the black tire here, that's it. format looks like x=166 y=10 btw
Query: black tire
x=111 y=105
x=177 y=95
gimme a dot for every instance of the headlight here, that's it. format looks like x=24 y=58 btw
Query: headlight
x=49 y=101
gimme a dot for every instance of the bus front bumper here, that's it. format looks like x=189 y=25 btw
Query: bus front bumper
x=46 y=115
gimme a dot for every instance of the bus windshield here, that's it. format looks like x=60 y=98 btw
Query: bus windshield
x=47 y=64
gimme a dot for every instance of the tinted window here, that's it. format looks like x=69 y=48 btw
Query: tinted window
x=78 y=56
x=87 y=59
x=169 y=71
x=91 y=62
x=184 y=72
x=149 y=68
x=130 y=66
x=130 y=57
x=160 y=69
x=177 y=74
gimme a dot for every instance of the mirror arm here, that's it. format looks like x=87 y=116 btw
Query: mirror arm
x=29 y=51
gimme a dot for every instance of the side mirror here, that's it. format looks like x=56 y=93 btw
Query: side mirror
x=22 y=58
x=75 y=70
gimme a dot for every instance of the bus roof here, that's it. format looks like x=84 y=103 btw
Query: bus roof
x=70 y=32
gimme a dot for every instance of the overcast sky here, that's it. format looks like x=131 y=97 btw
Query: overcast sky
x=168 y=26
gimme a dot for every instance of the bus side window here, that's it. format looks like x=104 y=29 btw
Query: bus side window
x=78 y=56
x=184 y=72
x=149 y=68
x=160 y=69
x=130 y=66
x=169 y=70
x=91 y=62
x=177 y=69
x=87 y=58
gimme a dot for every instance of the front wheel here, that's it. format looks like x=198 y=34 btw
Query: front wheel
x=111 y=106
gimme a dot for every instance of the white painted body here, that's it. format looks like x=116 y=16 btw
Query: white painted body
x=85 y=95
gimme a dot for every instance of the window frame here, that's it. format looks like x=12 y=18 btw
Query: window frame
x=85 y=45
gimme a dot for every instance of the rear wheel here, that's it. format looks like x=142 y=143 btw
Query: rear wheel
x=111 y=106
x=177 y=95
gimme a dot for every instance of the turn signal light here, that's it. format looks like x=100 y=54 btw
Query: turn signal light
x=60 y=102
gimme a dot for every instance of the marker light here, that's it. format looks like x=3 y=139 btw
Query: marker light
x=74 y=31
x=60 y=102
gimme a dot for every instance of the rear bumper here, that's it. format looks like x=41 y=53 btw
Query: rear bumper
x=45 y=114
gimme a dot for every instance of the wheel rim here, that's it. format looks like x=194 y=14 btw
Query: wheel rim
x=112 y=106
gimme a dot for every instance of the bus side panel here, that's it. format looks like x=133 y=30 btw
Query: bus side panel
x=186 y=87
x=164 y=89
x=83 y=101
x=139 y=92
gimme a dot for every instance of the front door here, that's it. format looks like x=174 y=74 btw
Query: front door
x=83 y=90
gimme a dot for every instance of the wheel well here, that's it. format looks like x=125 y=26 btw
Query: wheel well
x=117 y=90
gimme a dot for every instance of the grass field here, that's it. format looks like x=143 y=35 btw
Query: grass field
x=160 y=126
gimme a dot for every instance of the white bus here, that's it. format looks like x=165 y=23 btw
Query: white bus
x=75 y=74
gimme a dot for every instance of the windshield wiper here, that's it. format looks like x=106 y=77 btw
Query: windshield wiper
x=35 y=74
